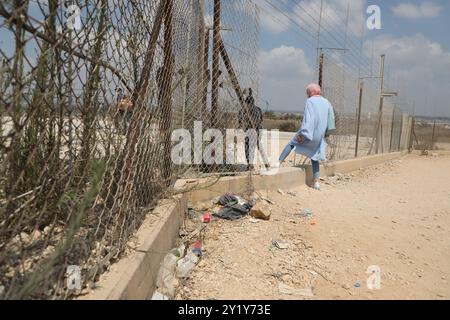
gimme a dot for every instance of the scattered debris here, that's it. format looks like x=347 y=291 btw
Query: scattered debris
x=305 y=213
x=337 y=178
x=166 y=281
x=227 y=199
x=287 y=290
x=206 y=218
x=254 y=220
x=313 y=273
x=261 y=211
x=240 y=201
x=292 y=193
x=280 y=244
x=234 y=207
x=159 y=296
x=189 y=235
x=268 y=200
x=197 y=249
x=233 y=212
x=280 y=192
x=313 y=222
x=193 y=214
x=357 y=285
x=185 y=265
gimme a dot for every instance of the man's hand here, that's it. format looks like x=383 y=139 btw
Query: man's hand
x=300 y=139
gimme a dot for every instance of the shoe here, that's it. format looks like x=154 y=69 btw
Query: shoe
x=316 y=186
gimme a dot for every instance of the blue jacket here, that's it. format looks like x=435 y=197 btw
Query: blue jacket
x=318 y=119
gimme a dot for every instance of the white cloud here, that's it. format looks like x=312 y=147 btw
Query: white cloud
x=414 y=11
x=284 y=74
x=421 y=68
x=306 y=12
x=334 y=14
x=272 y=20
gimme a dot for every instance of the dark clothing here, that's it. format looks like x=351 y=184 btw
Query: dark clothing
x=232 y=210
x=252 y=119
x=120 y=97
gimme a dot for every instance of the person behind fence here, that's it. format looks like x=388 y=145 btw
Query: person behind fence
x=318 y=122
x=125 y=108
x=250 y=120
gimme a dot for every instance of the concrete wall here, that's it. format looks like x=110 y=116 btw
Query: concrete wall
x=134 y=277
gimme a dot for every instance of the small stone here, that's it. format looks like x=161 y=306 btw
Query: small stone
x=58 y=230
x=261 y=211
x=47 y=230
x=280 y=192
x=280 y=244
x=49 y=250
x=11 y=273
x=24 y=237
x=36 y=235
x=28 y=265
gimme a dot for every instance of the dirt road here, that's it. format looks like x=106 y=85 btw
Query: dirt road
x=395 y=216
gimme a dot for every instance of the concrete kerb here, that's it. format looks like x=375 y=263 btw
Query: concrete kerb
x=134 y=277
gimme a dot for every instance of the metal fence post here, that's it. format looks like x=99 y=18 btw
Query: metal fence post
x=358 y=129
x=215 y=64
x=166 y=108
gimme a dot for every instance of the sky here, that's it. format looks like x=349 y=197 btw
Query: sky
x=414 y=36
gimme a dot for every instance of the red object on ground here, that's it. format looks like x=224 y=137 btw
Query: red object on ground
x=207 y=218
x=198 y=245
x=197 y=248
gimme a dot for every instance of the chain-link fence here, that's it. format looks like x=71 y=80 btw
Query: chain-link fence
x=429 y=134
x=361 y=128
x=90 y=95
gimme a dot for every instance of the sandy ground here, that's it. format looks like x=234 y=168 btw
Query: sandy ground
x=395 y=216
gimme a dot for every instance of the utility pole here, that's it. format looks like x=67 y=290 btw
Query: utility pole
x=358 y=128
x=380 y=117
